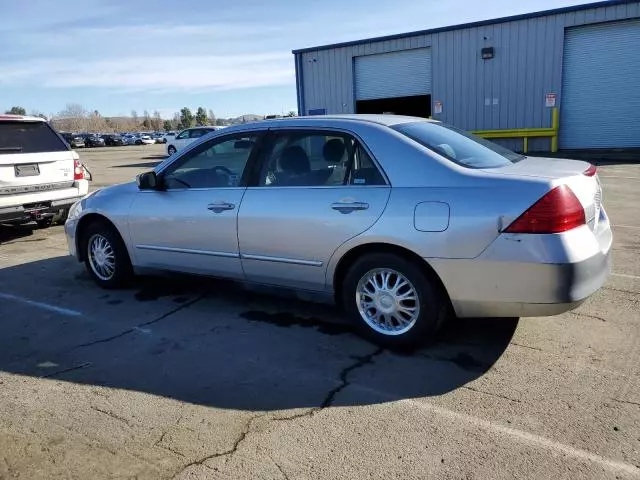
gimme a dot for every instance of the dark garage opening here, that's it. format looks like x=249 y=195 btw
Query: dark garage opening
x=415 y=106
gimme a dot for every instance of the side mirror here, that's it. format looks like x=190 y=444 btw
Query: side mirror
x=147 y=181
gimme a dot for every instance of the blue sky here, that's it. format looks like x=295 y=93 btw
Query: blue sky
x=232 y=57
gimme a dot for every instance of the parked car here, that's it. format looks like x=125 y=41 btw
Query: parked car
x=113 y=140
x=74 y=141
x=93 y=140
x=40 y=176
x=129 y=139
x=145 y=140
x=187 y=136
x=157 y=137
x=398 y=219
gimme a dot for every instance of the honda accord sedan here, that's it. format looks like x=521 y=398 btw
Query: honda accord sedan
x=400 y=220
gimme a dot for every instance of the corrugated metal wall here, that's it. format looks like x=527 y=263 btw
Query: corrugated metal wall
x=507 y=91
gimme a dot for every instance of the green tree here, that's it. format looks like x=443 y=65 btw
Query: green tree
x=156 y=121
x=186 y=118
x=146 y=123
x=167 y=126
x=16 y=111
x=201 y=117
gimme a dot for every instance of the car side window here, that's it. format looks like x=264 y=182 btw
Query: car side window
x=197 y=133
x=218 y=163
x=364 y=172
x=183 y=135
x=303 y=159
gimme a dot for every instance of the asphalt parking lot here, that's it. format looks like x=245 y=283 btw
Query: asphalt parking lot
x=188 y=378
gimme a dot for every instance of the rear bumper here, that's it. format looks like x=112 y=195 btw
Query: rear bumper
x=27 y=207
x=529 y=275
x=35 y=211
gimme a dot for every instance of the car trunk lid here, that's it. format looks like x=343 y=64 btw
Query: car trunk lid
x=580 y=176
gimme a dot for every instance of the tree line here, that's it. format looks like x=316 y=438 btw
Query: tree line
x=76 y=118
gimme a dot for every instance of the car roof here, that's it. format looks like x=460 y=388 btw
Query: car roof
x=20 y=118
x=334 y=120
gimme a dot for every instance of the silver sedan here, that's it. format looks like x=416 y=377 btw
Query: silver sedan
x=400 y=220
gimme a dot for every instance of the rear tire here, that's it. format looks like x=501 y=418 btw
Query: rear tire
x=106 y=256
x=45 y=222
x=392 y=301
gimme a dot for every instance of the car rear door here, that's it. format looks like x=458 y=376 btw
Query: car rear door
x=33 y=158
x=312 y=191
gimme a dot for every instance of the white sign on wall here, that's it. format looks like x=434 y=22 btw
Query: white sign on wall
x=550 y=100
x=437 y=107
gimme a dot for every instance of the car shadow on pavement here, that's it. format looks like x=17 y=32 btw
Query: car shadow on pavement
x=218 y=344
x=140 y=165
x=10 y=233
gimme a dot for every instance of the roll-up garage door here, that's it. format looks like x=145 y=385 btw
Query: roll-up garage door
x=600 y=105
x=396 y=74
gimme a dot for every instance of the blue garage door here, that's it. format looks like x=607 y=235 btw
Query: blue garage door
x=601 y=86
x=396 y=74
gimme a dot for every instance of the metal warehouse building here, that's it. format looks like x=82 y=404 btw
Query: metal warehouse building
x=506 y=78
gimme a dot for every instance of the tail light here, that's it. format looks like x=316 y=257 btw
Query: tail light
x=591 y=171
x=558 y=211
x=78 y=171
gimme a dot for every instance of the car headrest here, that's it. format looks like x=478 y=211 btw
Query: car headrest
x=333 y=150
x=295 y=160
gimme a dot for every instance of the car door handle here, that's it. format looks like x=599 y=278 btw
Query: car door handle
x=220 y=206
x=348 y=207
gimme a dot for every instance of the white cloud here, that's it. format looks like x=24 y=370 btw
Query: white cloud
x=208 y=72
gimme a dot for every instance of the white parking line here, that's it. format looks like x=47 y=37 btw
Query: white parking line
x=618 y=176
x=44 y=306
x=624 y=275
x=531 y=438
x=518 y=435
x=626 y=226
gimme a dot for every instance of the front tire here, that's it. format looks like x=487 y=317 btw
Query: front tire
x=392 y=301
x=171 y=150
x=106 y=256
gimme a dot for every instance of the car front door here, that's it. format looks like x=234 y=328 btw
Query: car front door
x=195 y=134
x=181 y=139
x=313 y=191
x=190 y=223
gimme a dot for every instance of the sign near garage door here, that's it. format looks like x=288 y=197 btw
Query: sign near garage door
x=550 y=100
x=437 y=107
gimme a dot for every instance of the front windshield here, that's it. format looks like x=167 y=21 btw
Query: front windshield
x=458 y=146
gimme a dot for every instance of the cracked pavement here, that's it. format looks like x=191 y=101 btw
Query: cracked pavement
x=189 y=378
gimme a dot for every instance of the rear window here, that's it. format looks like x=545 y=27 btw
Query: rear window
x=29 y=137
x=458 y=146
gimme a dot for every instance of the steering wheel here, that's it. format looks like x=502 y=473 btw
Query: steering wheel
x=226 y=172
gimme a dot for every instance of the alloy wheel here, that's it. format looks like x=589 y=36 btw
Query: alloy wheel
x=387 y=301
x=102 y=257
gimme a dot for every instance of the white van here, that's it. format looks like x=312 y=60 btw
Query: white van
x=187 y=136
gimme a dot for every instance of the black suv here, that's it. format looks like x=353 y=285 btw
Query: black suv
x=74 y=141
x=93 y=140
x=113 y=140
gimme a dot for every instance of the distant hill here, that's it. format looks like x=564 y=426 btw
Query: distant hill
x=249 y=117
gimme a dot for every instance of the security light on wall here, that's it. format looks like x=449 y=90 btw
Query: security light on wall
x=487 y=53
